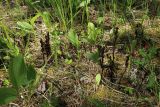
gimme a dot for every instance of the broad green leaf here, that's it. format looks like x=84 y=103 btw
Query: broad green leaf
x=73 y=38
x=7 y=95
x=98 y=79
x=18 y=71
x=91 y=28
x=92 y=33
x=25 y=26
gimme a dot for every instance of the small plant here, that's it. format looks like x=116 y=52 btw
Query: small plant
x=145 y=64
x=24 y=26
x=93 y=33
x=129 y=90
x=7 y=42
x=94 y=56
x=55 y=35
x=21 y=75
x=98 y=79
x=74 y=40
x=6 y=83
x=147 y=56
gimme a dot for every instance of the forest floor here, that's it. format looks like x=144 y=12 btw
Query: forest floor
x=73 y=84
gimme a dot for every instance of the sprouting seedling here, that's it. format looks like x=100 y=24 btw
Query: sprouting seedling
x=93 y=33
x=73 y=38
x=98 y=79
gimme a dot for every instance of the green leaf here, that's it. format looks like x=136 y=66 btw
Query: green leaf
x=151 y=80
x=68 y=61
x=93 y=56
x=6 y=82
x=73 y=38
x=98 y=79
x=139 y=62
x=142 y=53
x=133 y=45
x=31 y=73
x=100 y=20
x=7 y=95
x=84 y=3
x=6 y=44
x=35 y=18
x=25 y=26
x=46 y=19
x=130 y=90
x=91 y=29
x=92 y=33
x=152 y=52
x=3 y=44
x=20 y=74
x=18 y=71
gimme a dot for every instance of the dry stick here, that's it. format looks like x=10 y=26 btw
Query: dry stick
x=47 y=45
x=112 y=64
x=43 y=50
x=101 y=50
x=114 y=41
x=112 y=70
